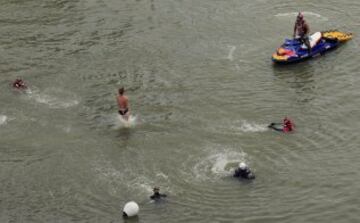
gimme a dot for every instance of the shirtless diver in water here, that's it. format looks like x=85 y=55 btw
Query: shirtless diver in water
x=123 y=103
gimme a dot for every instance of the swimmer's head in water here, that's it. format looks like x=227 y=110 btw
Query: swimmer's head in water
x=121 y=90
x=156 y=189
x=286 y=120
x=19 y=83
x=300 y=16
x=242 y=165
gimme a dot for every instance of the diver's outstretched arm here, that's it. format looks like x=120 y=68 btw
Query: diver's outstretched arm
x=274 y=126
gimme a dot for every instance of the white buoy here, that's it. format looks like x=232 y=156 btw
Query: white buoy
x=131 y=209
x=242 y=165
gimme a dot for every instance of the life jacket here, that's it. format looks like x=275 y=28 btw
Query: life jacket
x=287 y=126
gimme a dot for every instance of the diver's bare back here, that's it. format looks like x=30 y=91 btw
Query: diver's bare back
x=122 y=102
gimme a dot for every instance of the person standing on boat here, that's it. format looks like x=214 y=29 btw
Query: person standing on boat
x=302 y=29
x=123 y=103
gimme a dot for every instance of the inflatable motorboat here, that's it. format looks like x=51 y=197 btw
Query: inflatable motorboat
x=293 y=50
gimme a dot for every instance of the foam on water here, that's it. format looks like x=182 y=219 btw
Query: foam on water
x=120 y=122
x=65 y=128
x=306 y=13
x=162 y=175
x=240 y=127
x=56 y=99
x=217 y=164
x=108 y=175
x=140 y=184
x=231 y=52
x=3 y=119
x=252 y=127
x=145 y=185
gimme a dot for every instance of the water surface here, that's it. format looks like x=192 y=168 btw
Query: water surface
x=202 y=87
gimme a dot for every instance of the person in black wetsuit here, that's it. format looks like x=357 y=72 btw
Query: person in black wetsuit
x=243 y=171
x=157 y=196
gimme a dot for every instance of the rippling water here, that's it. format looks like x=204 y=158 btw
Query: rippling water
x=202 y=88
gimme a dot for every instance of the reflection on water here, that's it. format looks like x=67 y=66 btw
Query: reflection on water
x=299 y=77
x=124 y=135
x=132 y=220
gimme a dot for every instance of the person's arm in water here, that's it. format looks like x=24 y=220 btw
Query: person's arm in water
x=277 y=126
x=156 y=196
x=251 y=176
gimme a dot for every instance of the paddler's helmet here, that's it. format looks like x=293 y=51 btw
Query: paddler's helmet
x=242 y=166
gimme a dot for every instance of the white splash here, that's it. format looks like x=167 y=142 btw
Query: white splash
x=219 y=164
x=112 y=177
x=63 y=100
x=66 y=129
x=305 y=13
x=162 y=175
x=252 y=127
x=3 y=119
x=54 y=102
x=142 y=183
x=123 y=123
x=231 y=53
